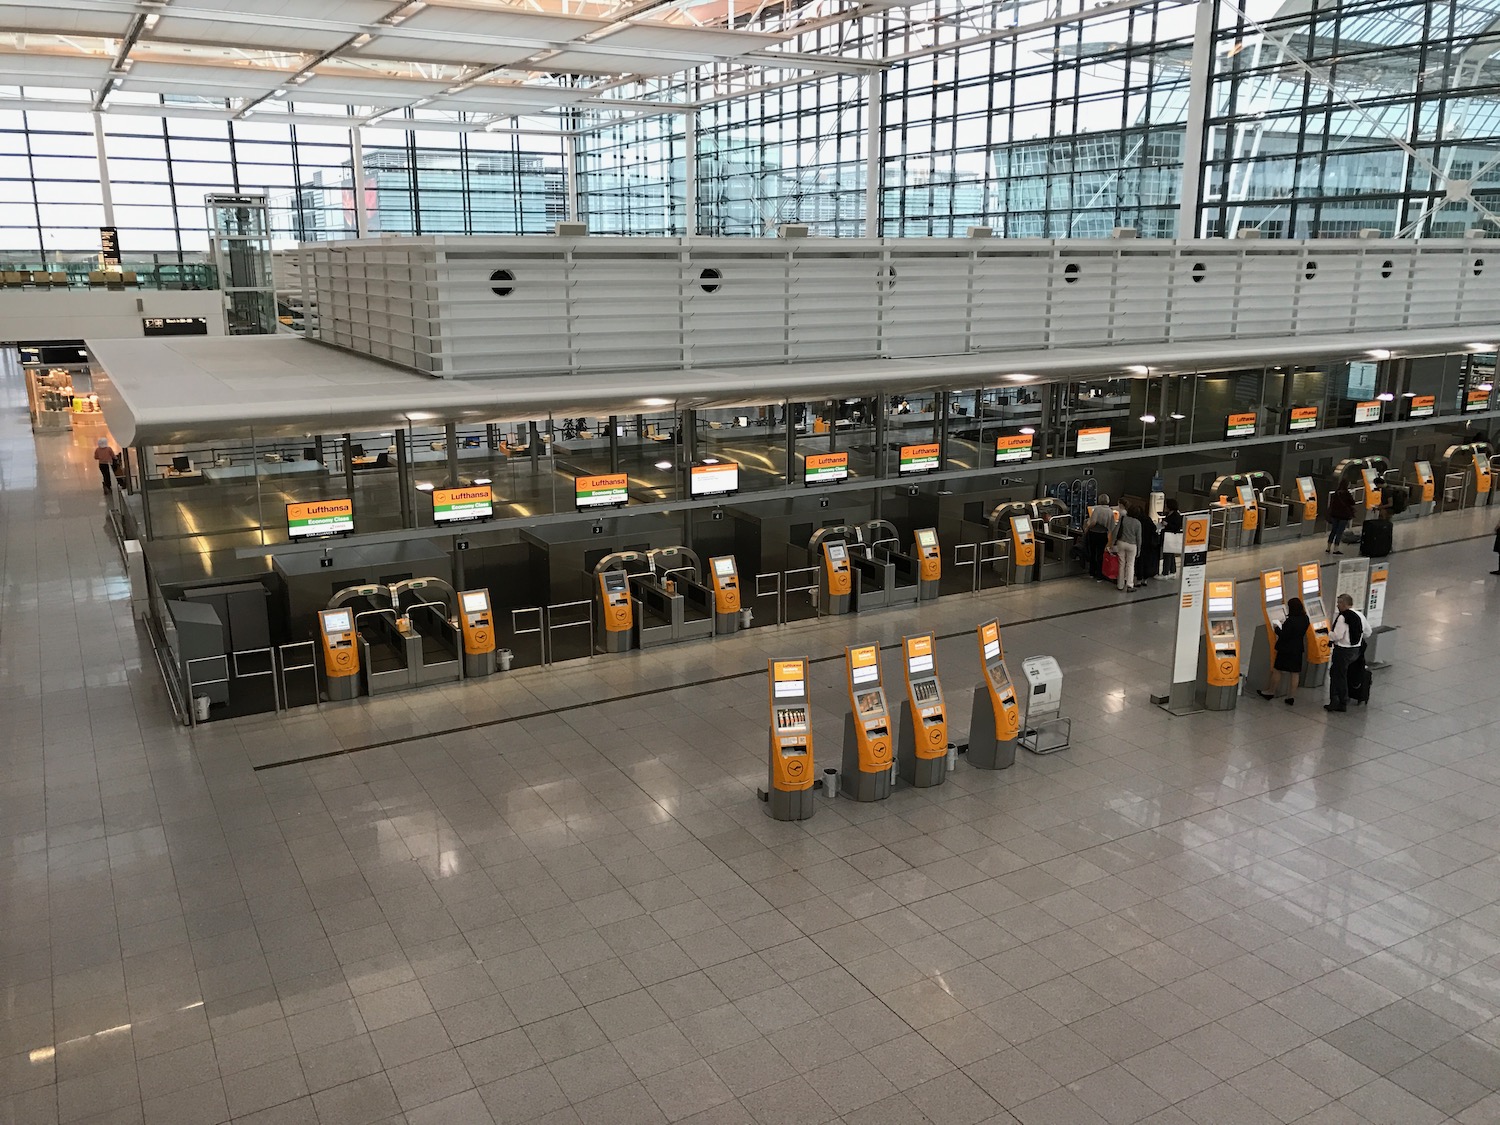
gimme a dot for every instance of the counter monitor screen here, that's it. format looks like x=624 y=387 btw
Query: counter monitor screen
x=1303 y=418
x=319 y=517
x=1241 y=425
x=1422 y=406
x=919 y=459
x=340 y=621
x=1013 y=447
x=182 y=464
x=927 y=537
x=1093 y=439
x=724 y=568
x=837 y=552
x=475 y=603
x=720 y=478
x=1220 y=605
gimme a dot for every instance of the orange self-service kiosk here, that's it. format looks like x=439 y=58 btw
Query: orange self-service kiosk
x=1371 y=479
x=995 y=718
x=1425 y=495
x=835 y=577
x=339 y=642
x=1023 y=549
x=476 y=621
x=1307 y=493
x=1273 y=611
x=1320 y=631
x=1250 y=522
x=726 y=583
x=868 y=760
x=929 y=563
x=922 y=745
x=618 y=615
x=1219 y=658
x=789 y=786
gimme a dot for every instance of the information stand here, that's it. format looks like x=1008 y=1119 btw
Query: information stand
x=789 y=786
x=1382 y=641
x=929 y=563
x=922 y=747
x=1183 y=697
x=726 y=580
x=995 y=718
x=1273 y=613
x=1043 y=728
x=1425 y=497
x=1320 y=631
x=867 y=764
x=835 y=579
x=476 y=623
x=1219 y=662
x=340 y=653
x=616 y=611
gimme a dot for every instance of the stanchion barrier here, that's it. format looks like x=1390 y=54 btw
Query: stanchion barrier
x=808 y=574
x=284 y=654
x=538 y=630
x=761 y=591
x=268 y=670
x=971 y=550
x=193 y=683
x=566 y=609
x=991 y=553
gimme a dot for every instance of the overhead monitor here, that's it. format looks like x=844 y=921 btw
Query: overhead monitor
x=1303 y=418
x=724 y=567
x=454 y=505
x=919 y=459
x=825 y=468
x=714 y=478
x=338 y=620
x=1366 y=412
x=1014 y=447
x=1421 y=406
x=318 y=518
x=1476 y=401
x=608 y=490
x=475 y=602
x=1093 y=439
x=1240 y=425
x=182 y=464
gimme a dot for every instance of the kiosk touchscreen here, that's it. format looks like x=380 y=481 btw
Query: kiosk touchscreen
x=1023 y=547
x=837 y=578
x=614 y=604
x=868 y=762
x=995 y=718
x=726 y=582
x=1219 y=660
x=929 y=563
x=789 y=789
x=1246 y=494
x=476 y=623
x=336 y=636
x=1320 y=632
x=1426 y=491
x=922 y=747
x=1307 y=492
x=1372 y=489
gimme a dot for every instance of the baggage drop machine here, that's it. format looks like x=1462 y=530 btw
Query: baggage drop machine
x=340 y=654
x=685 y=599
x=385 y=652
x=1423 y=489
x=609 y=587
x=1052 y=524
x=1304 y=508
x=995 y=718
x=899 y=573
x=1237 y=496
x=789 y=776
x=922 y=744
x=1219 y=658
x=428 y=622
x=868 y=764
x=1469 y=463
x=930 y=563
x=725 y=576
x=476 y=621
x=829 y=547
x=1011 y=523
x=1320 y=631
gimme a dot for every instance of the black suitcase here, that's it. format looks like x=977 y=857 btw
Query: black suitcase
x=1375 y=538
x=1359 y=680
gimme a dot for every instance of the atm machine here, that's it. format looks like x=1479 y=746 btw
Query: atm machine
x=1472 y=461
x=929 y=563
x=340 y=654
x=1320 y=632
x=1304 y=510
x=789 y=776
x=1273 y=610
x=830 y=547
x=868 y=764
x=1424 y=489
x=922 y=745
x=726 y=584
x=1219 y=658
x=1052 y=523
x=995 y=718
x=476 y=623
x=1010 y=522
x=612 y=594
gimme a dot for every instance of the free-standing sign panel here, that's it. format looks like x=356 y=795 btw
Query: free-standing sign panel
x=320 y=517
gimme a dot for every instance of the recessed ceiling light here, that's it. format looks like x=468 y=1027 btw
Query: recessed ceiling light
x=656 y=402
x=481 y=480
x=425 y=486
x=1028 y=429
x=664 y=464
x=1177 y=417
x=1148 y=418
x=1385 y=396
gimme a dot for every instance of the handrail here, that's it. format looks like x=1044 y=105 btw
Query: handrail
x=195 y=683
x=539 y=630
x=311 y=666
x=773 y=592
x=583 y=622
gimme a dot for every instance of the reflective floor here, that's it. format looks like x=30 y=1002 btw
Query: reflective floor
x=552 y=897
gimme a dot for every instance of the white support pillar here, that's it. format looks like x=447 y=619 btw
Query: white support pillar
x=1193 y=139
x=570 y=172
x=105 y=194
x=874 y=152
x=690 y=172
x=357 y=170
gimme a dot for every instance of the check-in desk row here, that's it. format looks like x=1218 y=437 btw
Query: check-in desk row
x=658 y=597
x=856 y=574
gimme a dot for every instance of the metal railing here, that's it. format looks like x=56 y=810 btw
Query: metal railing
x=539 y=630
x=967 y=554
x=269 y=671
x=193 y=683
x=310 y=665
x=585 y=620
x=809 y=573
x=761 y=591
x=992 y=554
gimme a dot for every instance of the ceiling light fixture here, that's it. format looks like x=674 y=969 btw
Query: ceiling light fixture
x=664 y=464
x=1176 y=417
x=656 y=402
x=1485 y=387
x=1148 y=418
x=1028 y=429
x=425 y=486
x=151 y=20
x=1385 y=396
x=481 y=480
x=360 y=40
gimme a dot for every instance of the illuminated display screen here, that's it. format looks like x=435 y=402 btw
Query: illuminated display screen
x=1220 y=605
x=1422 y=406
x=919 y=459
x=319 y=517
x=1022 y=525
x=450 y=505
x=1303 y=418
x=927 y=537
x=1240 y=425
x=475 y=603
x=1221 y=627
x=338 y=621
x=837 y=552
x=1094 y=439
x=1366 y=412
x=1014 y=447
x=825 y=468
x=606 y=491
x=719 y=479
x=724 y=567
x=1476 y=400
x=614 y=581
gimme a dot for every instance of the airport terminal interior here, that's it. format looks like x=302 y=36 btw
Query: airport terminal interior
x=576 y=562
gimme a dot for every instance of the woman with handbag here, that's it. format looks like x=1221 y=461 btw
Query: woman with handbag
x=1290 y=651
x=1171 y=539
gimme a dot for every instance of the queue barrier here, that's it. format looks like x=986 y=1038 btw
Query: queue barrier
x=971 y=561
x=774 y=591
x=566 y=609
x=539 y=630
x=310 y=664
x=810 y=575
x=193 y=683
x=994 y=554
x=268 y=672
x=1454 y=487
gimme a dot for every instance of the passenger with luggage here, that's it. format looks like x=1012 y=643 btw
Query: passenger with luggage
x=1171 y=538
x=1349 y=629
x=1096 y=535
x=1126 y=543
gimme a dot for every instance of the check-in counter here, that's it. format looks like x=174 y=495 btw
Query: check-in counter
x=657 y=610
x=883 y=545
x=1276 y=524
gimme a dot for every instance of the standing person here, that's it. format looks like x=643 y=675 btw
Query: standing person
x=105 y=456
x=1148 y=562
x=1340 y=512
x=1497 y=550
x=1171 y=529
x=1291 y=648
x=1348 y=639
x=1127 y=544
x=1096 y=533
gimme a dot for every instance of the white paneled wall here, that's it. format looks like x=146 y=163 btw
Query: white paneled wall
x=604 y=304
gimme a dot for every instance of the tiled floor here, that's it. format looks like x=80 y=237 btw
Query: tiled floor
x=582 y=916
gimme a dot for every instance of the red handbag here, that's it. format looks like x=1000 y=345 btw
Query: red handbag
x=1111 y=566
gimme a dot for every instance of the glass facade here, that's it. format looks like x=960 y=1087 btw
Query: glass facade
x=1037 y=119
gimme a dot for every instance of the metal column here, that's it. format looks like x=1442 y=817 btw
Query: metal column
x=403 y=480
x=349 y=464
x=450 y=437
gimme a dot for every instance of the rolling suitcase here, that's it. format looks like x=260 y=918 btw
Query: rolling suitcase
x=1359 y=680
x=1375 y=539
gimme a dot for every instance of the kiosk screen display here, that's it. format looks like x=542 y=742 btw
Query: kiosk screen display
x=1366 y=412
x=1315 y=610
x=1221 y=605
x=320 y=517
x=1481 y=462
x=788 y=679
x=614 y=582
x=338 y=621
x=1303 y=418
x=1221 y=627
x=992 y=650
x=837 y=552
x=717 y=479
x=1093 y=439
x=927 y=537
x=790 y=718
x=1022 y=525
x=1247 y=495
x=475 y=603
x=1306 y=488
x=919 y=664
x=724 y=568
x=925 y=691
x=869 y=703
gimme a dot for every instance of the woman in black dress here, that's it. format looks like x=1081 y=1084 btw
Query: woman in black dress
x=1291 y=647
x=1497 y=550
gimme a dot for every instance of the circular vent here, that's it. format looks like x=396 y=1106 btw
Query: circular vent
x=1200 y=271
x=502 y=283
x=1071 y=272
x=1310 y=270
x=1387 y=268
x=709 y=280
